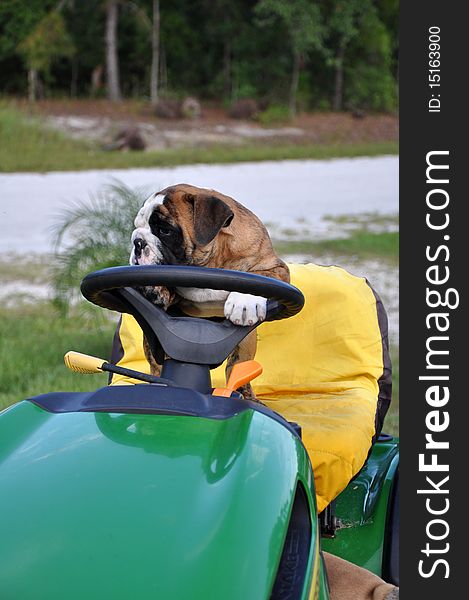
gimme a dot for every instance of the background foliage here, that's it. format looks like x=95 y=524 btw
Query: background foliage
x=215 y=49
x=94 y=234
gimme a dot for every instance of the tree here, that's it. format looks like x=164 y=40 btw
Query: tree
x=224 y=22
x=324 y=52
x=302 y=20
x=112 y=57
x=344 y=27
x=151 y=27
x=48 y=41
x=369 y=68
x=155 y=52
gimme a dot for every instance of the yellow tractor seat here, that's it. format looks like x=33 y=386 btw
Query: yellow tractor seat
x=327 y=369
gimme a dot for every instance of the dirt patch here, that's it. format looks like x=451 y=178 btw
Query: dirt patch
x=157 y=137
x=99 y=120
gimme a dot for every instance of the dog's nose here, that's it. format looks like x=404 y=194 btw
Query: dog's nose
x=139 y=245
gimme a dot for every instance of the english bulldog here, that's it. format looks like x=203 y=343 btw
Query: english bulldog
x=187 y=225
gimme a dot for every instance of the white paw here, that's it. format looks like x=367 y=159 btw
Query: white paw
x=245 y=309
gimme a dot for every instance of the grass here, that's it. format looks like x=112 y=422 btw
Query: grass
x=33 y=269
x=26 y=145
x=33 y=342
x=35 y=338
x=365 y=220
x=362 y=244
x=274 y=114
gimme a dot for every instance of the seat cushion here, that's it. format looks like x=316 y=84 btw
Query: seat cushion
x=327 y=368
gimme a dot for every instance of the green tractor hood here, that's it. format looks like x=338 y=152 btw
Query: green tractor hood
x=111 y=505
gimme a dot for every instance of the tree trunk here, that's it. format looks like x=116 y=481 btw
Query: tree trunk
x=227 y=87
x=163 y=71
x=112 y=59
x=155 y=52
x=74 y=79
x=294 y=83
x=32 y=85
x=339 y=80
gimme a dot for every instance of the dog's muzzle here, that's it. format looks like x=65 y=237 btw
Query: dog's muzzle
x=146 y=248
x=139 y=245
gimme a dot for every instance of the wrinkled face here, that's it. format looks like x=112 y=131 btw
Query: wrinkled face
x=178 y=226
x=146 y=247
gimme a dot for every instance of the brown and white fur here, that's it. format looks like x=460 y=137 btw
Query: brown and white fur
x=187 y=225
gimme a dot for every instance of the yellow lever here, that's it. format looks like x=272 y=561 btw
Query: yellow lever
x=83 y=363
x=242 y=373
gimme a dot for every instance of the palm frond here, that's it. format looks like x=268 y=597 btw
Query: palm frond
x=93 y=234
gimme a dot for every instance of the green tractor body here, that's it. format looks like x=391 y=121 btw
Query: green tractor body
x=107 y=505
x=172 y=490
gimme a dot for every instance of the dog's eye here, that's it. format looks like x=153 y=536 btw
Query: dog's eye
x=164 y=231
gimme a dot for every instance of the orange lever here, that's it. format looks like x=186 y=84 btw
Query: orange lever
x=241 y=373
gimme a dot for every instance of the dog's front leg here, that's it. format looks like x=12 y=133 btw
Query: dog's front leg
x=161 y=296
x=246 y=350
x=244 y=309
x=155 y=368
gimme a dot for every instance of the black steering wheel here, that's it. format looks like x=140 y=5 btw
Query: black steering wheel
x=183 y=338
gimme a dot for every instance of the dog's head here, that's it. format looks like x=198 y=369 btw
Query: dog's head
x=181 y=224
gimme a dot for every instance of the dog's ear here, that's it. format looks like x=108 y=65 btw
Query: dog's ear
x=210 y=215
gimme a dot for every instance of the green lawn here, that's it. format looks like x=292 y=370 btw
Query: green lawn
x=362 y=244
x=35 y=338
x=26 y=145
x=33 y=342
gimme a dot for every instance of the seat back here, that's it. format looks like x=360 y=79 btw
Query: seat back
x=327 y=368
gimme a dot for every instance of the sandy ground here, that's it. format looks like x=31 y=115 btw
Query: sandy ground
x=156 y=137
x=292 y=195
x=294 y=198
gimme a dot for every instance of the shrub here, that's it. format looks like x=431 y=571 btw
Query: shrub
x=93 y=235
x=191 y=108
x=168 y=108
x=247 y=108
x=274 y=114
